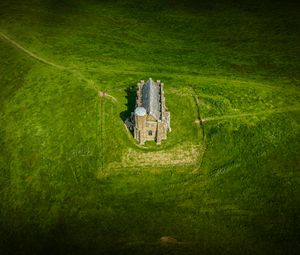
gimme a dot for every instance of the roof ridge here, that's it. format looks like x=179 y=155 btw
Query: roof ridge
x=151 y=99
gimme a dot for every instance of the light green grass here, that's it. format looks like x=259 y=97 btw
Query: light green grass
x=66 y=186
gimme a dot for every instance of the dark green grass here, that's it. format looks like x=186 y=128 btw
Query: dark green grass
x=58 y=138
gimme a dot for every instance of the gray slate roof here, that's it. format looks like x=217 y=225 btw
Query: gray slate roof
x=151 y=99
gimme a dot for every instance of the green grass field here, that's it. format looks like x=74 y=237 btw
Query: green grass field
x=72 y=178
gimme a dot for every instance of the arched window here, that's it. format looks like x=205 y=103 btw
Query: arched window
x=150 y=132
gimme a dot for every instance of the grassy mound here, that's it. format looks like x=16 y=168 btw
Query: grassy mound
x=72 y=178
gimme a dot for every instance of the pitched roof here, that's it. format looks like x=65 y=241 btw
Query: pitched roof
x=151 y=99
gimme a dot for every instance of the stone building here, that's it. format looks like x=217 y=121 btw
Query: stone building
x=151 y=121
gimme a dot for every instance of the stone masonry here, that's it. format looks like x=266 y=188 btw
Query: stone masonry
x=150 y=119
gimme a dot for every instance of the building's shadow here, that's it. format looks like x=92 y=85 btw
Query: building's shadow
x=131 y=97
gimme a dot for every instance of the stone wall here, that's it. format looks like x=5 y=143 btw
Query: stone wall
x=148 y=128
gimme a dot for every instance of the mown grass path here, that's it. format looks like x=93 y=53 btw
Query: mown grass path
x=31 y=53
x=275 y=111
x=78 y=74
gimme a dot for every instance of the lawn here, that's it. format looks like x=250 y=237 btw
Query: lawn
x=72 y=178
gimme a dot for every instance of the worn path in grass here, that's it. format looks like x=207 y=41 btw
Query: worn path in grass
x=293 y=108
x=31 y=53
x=78 y=74
x=35 y=56
x=101 y=94
x=90 y=82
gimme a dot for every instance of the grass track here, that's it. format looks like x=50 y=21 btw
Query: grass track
x=263 y=113
x=30 y=53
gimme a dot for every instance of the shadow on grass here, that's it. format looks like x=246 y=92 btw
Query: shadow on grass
x=130 y=95
x=125 y=115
